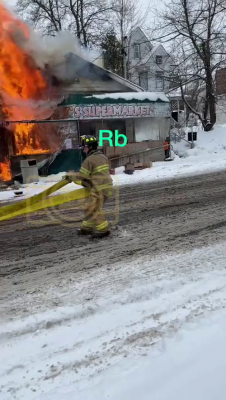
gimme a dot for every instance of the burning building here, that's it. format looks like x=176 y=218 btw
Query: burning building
x=35 y=79
x=25 y=90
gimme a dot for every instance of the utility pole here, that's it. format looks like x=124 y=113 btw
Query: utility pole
x=124 y=57
x=123 y=41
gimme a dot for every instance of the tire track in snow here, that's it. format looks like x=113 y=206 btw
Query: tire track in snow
x=131 y=308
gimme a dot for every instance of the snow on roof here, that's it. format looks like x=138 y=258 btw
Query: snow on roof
x=176 y=93
x=151 y=96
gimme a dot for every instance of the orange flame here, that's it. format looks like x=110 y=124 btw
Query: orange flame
x=26 y=143
x=20 y=81
x=5 y=172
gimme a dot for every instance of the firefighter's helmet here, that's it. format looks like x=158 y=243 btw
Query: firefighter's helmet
x=89 y=141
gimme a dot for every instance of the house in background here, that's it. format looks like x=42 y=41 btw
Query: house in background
x=148 y=64
x=150 y=67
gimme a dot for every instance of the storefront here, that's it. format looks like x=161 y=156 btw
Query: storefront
x=141 y=116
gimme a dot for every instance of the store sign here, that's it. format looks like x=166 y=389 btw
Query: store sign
x=118 y=111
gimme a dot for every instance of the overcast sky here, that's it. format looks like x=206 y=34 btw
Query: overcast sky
x=11 y=3
x=144 y=4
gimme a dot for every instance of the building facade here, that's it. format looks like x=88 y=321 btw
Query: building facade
x=148 y=65
x=139 y=116
x=143 y=117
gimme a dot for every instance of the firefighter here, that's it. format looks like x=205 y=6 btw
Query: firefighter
x=95 y=176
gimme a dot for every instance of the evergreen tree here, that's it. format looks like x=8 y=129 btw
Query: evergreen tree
x=113 y=52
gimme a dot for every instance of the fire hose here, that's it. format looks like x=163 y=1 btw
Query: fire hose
x=40 y=201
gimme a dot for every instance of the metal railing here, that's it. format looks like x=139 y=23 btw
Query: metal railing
x=178 y=139
x=178 y=133
x=136 y=153
x=177 y=136
x=128 y=157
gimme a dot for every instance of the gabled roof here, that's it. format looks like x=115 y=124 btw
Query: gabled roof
x=146 y=34
x=145 y=59
x=77 y=67
x=125 y=82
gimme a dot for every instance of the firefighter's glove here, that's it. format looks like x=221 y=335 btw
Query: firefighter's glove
x=67 y=178
x=71 y=177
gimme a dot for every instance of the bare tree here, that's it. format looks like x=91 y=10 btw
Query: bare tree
x=48 y=15
x=126 y=16
x=198 y=30
x=86 y=19
x=90 y=19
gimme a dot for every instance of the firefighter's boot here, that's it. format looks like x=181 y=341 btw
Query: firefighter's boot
x=99 y=235
x=83 y=232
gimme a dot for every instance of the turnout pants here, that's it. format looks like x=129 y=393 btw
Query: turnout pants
x=94 y=218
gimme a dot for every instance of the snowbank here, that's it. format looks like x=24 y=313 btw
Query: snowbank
x=210 y=145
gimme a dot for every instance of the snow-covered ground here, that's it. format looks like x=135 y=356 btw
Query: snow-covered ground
x=153 y=329
x=190 y=366
x=208 y=155
x=35 y=188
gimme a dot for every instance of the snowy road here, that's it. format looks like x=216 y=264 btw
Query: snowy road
x=114 y=315
x=78 y=314
x=154 y=218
